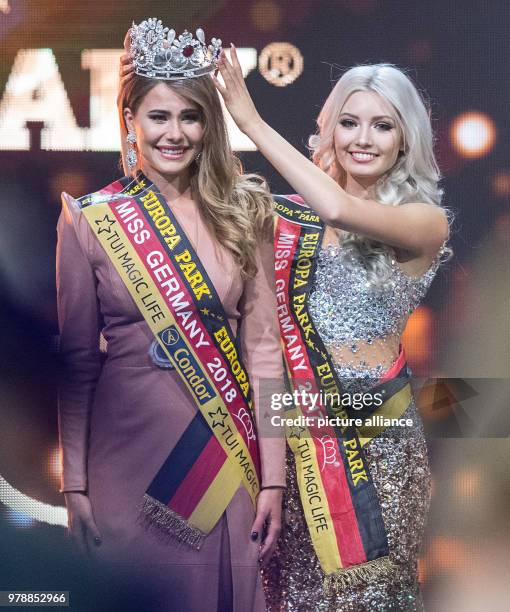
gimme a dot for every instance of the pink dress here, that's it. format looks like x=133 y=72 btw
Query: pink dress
x=120 y=417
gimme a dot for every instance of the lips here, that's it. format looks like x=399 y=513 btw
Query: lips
x=362 y=156
x=172 y=152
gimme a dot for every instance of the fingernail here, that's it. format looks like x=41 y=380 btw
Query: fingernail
x=254 y=535
x=97 y=541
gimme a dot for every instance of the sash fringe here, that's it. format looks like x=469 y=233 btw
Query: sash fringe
x=156 y=515
x=357 y=574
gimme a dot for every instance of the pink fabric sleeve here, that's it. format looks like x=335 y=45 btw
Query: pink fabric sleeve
x=261 y=352
x=80 y=324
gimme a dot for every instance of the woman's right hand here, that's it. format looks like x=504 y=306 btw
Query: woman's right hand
x=81 y=525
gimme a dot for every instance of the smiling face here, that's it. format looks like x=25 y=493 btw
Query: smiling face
x=169 y=133
x=366 y=139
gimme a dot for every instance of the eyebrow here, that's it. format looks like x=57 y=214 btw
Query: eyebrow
x=373 y=118
x=165 y=112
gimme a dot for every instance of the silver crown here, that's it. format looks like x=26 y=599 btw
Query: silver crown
x=158 y=54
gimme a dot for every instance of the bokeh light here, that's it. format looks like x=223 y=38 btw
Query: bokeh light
x=418 y=338
x=422 y=569
x=73 y=183
x=473 y=134
x=280 y=63
x=266 y=15
x=447 y=553
x=419 y=51
x=501 y=183
x=467 y=482
x=55 y=464
x=460 y=556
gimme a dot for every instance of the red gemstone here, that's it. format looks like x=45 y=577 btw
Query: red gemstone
x=187 y=51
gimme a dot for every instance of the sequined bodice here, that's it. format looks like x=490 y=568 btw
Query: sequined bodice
x=359 y=324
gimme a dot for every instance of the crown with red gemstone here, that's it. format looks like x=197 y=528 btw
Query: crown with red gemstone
x=159 y=54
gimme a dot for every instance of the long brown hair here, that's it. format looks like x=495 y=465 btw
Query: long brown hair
x=237 y=207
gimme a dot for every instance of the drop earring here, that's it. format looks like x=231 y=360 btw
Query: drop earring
x=131 y=156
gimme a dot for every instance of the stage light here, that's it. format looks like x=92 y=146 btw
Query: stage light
x=19 y=519
x=35 y=93
x=21 y=504
x=280 y=63
x=473 y=134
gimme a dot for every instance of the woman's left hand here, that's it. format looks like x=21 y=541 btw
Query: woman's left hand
x=268 y=522
x=235 y=93
x=126 y=66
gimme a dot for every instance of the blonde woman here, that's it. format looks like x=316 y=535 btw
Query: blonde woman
x=356 y=252
x=173 y=264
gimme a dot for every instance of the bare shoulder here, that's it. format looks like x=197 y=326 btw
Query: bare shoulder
x=433 y=218
x=431 y=212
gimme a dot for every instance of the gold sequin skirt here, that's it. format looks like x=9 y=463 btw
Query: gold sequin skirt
x=398 y=463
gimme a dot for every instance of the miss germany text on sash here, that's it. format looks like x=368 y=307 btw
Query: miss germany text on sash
x=159 y=267
x=339 y=499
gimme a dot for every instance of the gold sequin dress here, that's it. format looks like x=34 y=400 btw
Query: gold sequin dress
x=361 y=327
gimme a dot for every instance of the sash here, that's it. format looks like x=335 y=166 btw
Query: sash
x=339 y=499
x=164 y=276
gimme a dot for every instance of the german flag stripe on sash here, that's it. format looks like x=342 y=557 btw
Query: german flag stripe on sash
x=347 y=530
x=336 y=537
x=160 y=269
x=202 y=474
x=197 y=442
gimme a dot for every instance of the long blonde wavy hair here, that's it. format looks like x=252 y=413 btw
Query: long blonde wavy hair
x=237 y=207
x=415 y=175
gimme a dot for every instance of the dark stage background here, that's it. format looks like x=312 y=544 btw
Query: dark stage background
x=58 y=131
